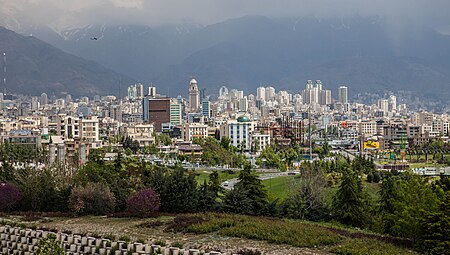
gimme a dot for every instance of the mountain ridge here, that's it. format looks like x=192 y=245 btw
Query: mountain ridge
x=252 y=50
x=34 y=66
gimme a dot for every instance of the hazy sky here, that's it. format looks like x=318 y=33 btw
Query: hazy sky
x=78 y=12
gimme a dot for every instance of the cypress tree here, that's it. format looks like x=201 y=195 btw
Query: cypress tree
x=348 y=204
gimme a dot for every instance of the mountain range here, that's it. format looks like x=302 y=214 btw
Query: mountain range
x=366 y=54
x=34 y=66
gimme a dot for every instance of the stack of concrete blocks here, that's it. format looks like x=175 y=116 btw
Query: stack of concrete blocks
x=18 y=241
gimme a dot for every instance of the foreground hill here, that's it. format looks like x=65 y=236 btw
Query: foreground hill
x=229 y=234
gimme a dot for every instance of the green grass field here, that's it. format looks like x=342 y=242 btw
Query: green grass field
x=278 y=187
x=201 y=176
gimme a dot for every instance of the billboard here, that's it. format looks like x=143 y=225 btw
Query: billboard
x=371 y=145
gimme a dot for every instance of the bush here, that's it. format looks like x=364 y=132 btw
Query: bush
x=94 y=198
x=370 y=177
x=10 y=195
x=274 y=231
x=365 y=246
x=376 y=177
x=49 y=245
x=143 y=203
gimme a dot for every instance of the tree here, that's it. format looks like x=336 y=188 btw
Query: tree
x=435 y=238
x=206 y=199
x=306 y=198
x=177 y=189
x=376 y=177
x=214 y=184
x=143 y=203
x=413 y=199
x=370 y=177
x=225 y=142
x=49 y=246
x=40 y=190
x=92 y=199
x=253 y=189
x=349 y=205
x=10 y=196
x=236 y=201
x=388 y=194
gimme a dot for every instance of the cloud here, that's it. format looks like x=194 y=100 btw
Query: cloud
x=137 y=4
x=433 y=12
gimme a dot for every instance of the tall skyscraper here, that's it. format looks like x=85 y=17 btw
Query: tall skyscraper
x=270 y=93
x=314 y=94
x=343 y=95
x=261 y=93
x=383 y=104
x=325 y=97
x=194 y=98
x=152 y=91
x=44 y=99
x=223 y=91
x=175 y=112
x=140 y=90
x=206 y=108
x=392 y=103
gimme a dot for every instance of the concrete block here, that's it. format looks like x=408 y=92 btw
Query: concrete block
x=193 y=252
x=174 y=251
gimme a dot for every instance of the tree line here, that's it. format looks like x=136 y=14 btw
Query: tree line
x=408 y=206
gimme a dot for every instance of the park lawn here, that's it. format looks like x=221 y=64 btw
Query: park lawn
x=203 y=175
x=424 y=164
x=278 y=187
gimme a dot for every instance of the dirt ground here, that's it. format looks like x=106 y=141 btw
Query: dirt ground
x=155 y=229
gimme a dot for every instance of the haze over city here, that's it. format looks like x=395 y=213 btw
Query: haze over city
x=224 y=127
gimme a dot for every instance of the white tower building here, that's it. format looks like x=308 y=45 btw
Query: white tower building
x=194 y=98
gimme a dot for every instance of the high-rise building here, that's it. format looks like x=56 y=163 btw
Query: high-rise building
x=261 y=93
x=34 y=103
x=175 y=113
x=223 y=91
x=194 y=98
x=156 y=111
x=392 y=103
x=270 y=93
x=243 y=104
x=325 y=97
x=140 y=90
x=343 y=95
x=383 y=104
x=44 y=99
x=314 y=94
x=206 y=108
x=152 y=91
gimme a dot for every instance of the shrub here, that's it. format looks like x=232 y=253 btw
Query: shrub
x=49 y=245
x=143 y=203
x=370 y=177
x=177 y=245
x=275 y=231
x=10 y=195
x=376 y=177
x=160 y=243
x=125 y=239
x=249 y=252
x=94 y=198
x=183 y=222
x=368 y=247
